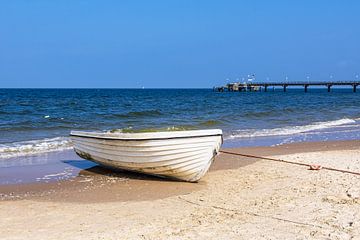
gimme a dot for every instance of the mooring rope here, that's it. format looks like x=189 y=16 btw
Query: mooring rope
x=311 y=166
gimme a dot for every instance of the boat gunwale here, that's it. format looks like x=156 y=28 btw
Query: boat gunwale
x=84 y=135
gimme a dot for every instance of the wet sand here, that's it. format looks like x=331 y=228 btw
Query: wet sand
x=240 y=198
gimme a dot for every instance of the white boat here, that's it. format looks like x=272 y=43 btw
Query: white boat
x=182 y=155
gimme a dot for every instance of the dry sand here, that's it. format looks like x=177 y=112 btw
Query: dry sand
x=239 y=199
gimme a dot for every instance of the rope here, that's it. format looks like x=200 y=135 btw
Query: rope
x=312 y=166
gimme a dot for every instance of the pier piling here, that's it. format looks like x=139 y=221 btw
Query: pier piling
x=329 y=87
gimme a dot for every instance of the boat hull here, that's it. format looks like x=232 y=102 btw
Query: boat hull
x=184 y=156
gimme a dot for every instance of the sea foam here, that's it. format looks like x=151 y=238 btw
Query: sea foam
x=24 y=148
x=289 y=130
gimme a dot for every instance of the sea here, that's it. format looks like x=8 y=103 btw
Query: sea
x=34 y=121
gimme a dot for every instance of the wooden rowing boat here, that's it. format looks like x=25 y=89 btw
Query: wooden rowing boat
x=182 y=155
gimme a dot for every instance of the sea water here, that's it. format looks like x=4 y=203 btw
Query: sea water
x=36 y=121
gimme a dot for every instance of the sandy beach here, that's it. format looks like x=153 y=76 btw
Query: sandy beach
x=240 y=198
x=244 y=114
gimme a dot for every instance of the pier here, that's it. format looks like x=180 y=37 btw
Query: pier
x=264 y=86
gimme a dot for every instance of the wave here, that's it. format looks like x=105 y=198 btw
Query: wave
x=259 y=114
x=290 y=130
x=25 y=148
x=146 y=113
x=132 y=114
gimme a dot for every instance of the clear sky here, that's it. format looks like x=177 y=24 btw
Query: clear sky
x=173 y=44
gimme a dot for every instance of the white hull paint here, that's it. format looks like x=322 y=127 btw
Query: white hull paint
x=182 y=155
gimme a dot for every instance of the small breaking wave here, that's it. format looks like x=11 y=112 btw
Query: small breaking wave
x=259 y=114
x=146 y=113
x=290 y=130
x=18 y=149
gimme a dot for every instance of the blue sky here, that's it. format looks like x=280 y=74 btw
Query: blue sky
x=130 y=44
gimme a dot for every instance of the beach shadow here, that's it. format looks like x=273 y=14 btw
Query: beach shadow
x=121 y=174
x=88 y=168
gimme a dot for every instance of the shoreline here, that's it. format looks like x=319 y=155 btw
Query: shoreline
x=79 y=188
x=239 y=198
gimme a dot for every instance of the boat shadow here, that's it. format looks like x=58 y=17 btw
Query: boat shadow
x=88 y=168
